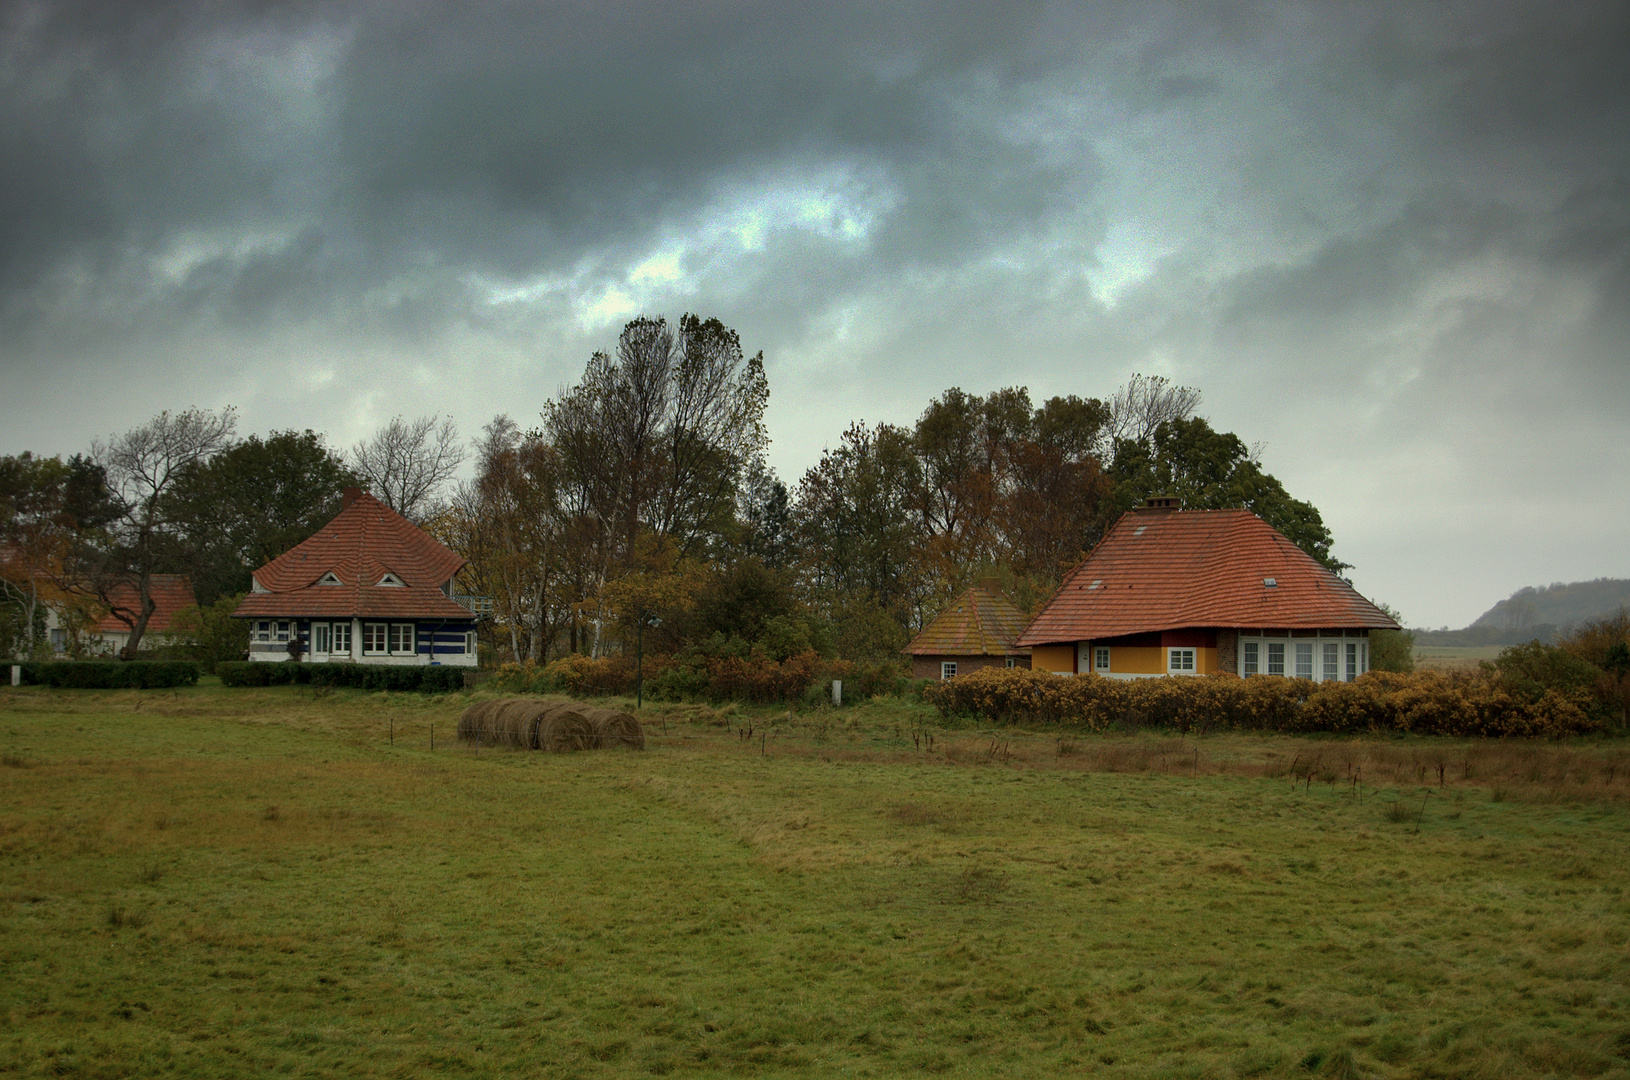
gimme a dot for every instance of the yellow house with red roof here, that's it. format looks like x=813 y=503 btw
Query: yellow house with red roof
x=370 y=587
x=1191 y=592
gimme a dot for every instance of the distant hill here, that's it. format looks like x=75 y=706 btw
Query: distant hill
x=1544 y=613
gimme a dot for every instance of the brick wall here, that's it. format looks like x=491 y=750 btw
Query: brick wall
x=1228 y=651
x=928 y=667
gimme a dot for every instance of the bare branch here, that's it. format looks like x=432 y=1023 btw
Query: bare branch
x=407 y=462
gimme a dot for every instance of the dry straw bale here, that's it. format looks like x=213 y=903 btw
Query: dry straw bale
x=476 y=721
x=563 y=727
x=613 y=727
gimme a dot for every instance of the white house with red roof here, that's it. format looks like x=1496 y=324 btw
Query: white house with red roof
x=170 y=593
x=1191 y=592
x=370 y=586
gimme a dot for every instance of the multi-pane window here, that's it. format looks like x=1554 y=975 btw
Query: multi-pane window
x=1352 y=661
x=402 y=638
x=263 y=630
x=1251 y=662
x=1101 y=660
x=319 y=637
x=1276 y=658
x=373 y=637
x=1304 y=660
x=1332 y=662
x=1180 y=661
x=947 y=669
x=282 y=630
x=342 y=638
x=1010 y=661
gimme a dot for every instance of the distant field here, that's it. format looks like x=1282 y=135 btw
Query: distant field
x=1447 y=657
x=223 y=883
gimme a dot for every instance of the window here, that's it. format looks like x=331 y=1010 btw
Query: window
x=263 y=631
x=1251 y=663
x=282 y=630
x=1276 y=658
x=948 y=669
x=391 y=580
x=1304 y=660
x=373 y=638
x=469 y=643
x=1352 y=662
x=1010 y=661
x=319 y=637
x=1180 y=661
x=1332 y=662
x=402 y=638
x=1101 y=658
x=341 y=638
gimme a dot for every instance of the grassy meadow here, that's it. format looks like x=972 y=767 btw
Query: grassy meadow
x=223 y=883
x=1454 y=657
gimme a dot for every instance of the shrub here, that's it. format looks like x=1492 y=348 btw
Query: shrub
x=428 y=679
x=112 y=674
x=1429 y=703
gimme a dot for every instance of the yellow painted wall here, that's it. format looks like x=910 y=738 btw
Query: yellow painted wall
x=1140 y=660
x=1058 y=658
x=1205 y=661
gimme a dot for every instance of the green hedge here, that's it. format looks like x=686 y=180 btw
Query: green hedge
x=112 y=674
x=436 y=679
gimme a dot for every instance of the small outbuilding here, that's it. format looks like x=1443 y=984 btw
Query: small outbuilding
x=978 y=630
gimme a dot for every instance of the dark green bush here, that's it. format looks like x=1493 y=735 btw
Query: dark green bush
x=436 y=679
x=112 y=674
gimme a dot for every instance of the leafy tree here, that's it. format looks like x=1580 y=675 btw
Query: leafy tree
x=1392 y=650
x=1212 y=470
x=250 y=503
x=407 y=463
x=47 y=505
x=211 y=633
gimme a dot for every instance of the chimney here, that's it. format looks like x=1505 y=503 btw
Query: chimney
x=1161 y=502
x=349 y=496
x=991 y=584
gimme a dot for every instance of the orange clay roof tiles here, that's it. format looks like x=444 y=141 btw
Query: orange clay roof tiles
x=1167 y=570
x=170 y=593
x=366 y=541
x=980 y=622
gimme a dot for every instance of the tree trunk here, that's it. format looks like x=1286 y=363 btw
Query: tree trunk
x=144 y=590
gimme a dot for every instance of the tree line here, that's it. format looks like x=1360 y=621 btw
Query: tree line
x=638 y=506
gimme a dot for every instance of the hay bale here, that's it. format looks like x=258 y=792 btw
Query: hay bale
x=562 y=728
x=613 y=727
x=475 y=722
x=516 y=723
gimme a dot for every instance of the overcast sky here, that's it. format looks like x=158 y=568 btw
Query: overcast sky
x=1389 y=244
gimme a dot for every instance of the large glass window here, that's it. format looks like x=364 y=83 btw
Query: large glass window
x=1250 y=663
x=1332 y=662
x=1352 y=661
x=342 y=638
x=402 y=638
x=373 y=638
x=1304 y=660
x=1276 y=658
x=319 y=637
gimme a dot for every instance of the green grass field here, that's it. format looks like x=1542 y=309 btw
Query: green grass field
x=1451 y=657
x=257 y=882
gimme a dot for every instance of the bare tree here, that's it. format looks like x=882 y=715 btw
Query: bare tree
x=1143 y=404
x=141 y=466
x=407 y=461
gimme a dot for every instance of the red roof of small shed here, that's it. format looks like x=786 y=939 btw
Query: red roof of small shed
x=1170 y=569
x=364 y=543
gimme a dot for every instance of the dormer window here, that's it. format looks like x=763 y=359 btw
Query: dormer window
x=391 y=580
x=330 y=578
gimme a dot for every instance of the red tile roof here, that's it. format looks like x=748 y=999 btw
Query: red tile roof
x=360 y=546
x=980 y=622
x=1170 y=569
x=170 y=593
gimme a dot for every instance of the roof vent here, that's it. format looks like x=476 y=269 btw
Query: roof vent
x=391 y=579
x=1162 y=502
x=1270 y=583
x=330 y=578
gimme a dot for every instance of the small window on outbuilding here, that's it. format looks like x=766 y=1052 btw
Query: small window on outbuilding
x=948 y=669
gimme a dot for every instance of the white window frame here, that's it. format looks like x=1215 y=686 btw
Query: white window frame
x=263 y=630
x=469 y=643
x=1100 y=658
x=1304 y=660
x=1011 y=662
x=375 y=639
x=320 y=639
x=947 y=669
x=341 y=638
x=1276 y=658
x=1250 y=659
x=281 y=631
x=1330 y=661
x=1182 y=660
x=403 y=639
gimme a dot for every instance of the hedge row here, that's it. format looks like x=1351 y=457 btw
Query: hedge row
x=112 y=674
x=436 y=679
x=1428 y=703
x=756 y=678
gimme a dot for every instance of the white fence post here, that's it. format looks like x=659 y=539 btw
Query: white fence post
x=837 y=691
x=16 y=674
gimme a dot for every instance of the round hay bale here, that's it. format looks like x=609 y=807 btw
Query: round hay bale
x=516 y=723
x=476 y=719
x=613 y=727
x=562 y=728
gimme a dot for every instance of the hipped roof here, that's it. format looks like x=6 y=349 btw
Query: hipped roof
x=1171 y=569
x=980 y=622
x=366 y=541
